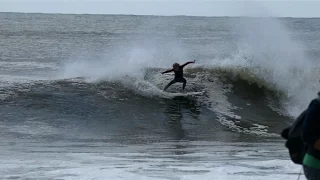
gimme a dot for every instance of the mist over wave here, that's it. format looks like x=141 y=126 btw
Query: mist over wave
x=267 y=49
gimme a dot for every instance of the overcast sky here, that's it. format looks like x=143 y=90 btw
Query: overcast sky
x=278 y=8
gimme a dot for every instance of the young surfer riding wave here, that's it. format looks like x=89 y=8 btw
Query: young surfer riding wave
x=178 y=74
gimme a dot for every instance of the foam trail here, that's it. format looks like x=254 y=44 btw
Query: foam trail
x=111 y=66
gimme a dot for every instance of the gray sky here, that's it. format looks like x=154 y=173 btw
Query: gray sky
x=278 y=8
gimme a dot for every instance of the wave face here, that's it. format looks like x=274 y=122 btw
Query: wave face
x=257 y=73
x=236 y=98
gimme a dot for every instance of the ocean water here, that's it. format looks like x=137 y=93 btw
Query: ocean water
x=81 y=96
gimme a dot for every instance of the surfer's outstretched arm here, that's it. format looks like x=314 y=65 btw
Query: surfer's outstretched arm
x=183 y=65
x=167 y=71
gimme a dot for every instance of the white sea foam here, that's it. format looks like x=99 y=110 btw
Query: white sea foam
x=204 y=160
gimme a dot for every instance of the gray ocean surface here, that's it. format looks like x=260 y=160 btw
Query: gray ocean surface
x=81 y=96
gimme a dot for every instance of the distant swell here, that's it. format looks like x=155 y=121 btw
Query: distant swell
x=56 y=33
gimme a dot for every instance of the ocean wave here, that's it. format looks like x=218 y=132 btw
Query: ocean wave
x=219 y=85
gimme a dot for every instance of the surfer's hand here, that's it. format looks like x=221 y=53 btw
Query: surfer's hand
x=194 y=61
x=162 y=73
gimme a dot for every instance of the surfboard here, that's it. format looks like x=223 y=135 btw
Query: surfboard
x=183 y=94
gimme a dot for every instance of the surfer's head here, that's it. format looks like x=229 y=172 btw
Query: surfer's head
x=175 y=66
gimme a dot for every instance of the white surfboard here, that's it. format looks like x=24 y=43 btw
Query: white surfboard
x=168 y=94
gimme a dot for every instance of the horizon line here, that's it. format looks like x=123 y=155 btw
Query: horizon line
x=122 y=14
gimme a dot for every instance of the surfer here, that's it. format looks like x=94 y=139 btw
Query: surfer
x=178 y=74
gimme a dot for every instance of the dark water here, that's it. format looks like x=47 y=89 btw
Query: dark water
x=82 y=93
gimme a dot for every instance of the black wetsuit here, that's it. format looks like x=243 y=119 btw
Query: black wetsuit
x=311 y=134
x=311 y=127
x=178 y=77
